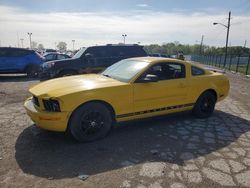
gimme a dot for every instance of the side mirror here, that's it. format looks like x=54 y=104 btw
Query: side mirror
x=149 y=78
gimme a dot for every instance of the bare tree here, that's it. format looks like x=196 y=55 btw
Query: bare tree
x=33 y=44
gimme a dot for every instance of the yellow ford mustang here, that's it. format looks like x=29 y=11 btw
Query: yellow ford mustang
x=87 y=105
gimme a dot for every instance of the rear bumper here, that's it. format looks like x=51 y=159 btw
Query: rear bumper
x=53 y=121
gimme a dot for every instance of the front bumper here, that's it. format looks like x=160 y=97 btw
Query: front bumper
x=53 y=121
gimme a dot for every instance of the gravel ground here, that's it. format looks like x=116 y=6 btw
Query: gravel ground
x=172 y=151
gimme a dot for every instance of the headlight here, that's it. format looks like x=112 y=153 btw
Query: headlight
x=51 y=105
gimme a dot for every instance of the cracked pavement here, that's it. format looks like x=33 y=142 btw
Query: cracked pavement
x=173 y=151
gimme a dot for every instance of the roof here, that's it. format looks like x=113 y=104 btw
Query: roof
x=159 y=59
x=16 y=48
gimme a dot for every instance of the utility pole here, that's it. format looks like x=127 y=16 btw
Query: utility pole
x=30 y=39
x=228 y=27
x=202 y=37
x=17 y=35
x=73 y=41
x=124 y=38
x=245 y=43
x=21 y=42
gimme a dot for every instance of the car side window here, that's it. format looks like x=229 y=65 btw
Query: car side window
x=3 y=53
x=197 y=71
x=115 y=51
x=167 y=71
x=50 y=57
x=18 y=53
x=60 y=56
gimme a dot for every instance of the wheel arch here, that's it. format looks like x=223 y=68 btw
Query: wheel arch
x=211 y=90
x=30 y=65
x=108 y=105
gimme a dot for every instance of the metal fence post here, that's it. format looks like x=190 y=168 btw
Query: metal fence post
x=248 y=64
x=220 y=60
x=216 y=57
x=225 y=62
x=230 y=62
x=237 y=66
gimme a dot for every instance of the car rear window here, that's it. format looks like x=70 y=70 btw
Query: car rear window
x=18 y=53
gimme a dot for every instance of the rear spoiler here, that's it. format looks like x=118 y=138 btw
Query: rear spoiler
x=215 y=70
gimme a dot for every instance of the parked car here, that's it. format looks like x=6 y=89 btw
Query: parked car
x=19 y=60
x=91 y=60
x=130 y=89
x=158 y=55
x=55 y=56
x=48 y=51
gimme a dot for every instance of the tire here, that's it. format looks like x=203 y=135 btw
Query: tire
x=67 y=73
x=204 y=106
x=90 y=122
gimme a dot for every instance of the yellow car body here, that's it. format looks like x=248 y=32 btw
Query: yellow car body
x=127 y=100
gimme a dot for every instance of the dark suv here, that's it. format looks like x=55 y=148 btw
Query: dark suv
x=91 y=60
x=19 y=60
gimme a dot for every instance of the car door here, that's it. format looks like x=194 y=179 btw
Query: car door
x=14 y=60
x=169 y=91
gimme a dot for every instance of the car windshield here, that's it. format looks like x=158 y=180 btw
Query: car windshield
x=125 y=70
x=79 y=53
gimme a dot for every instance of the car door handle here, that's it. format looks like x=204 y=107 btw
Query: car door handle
x=181 y=85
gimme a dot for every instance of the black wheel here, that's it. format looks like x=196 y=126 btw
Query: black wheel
x=90 y=122
x=204 y=106
x=67 y=73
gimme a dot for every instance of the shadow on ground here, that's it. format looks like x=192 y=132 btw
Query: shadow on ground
x=173 y=139
x=15 y=78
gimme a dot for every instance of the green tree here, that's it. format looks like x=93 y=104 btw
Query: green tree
x=40 y=47
x=62 y=46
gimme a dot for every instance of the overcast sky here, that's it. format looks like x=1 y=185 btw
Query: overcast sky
x=104 y=21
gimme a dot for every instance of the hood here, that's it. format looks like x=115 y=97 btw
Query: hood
x=71 y=84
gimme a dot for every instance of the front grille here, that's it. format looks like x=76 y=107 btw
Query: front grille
x=47 y=105
x=35 y=101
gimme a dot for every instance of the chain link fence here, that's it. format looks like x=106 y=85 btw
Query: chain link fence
x=233 y=63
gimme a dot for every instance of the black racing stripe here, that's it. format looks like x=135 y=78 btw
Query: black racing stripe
x=154 y=110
